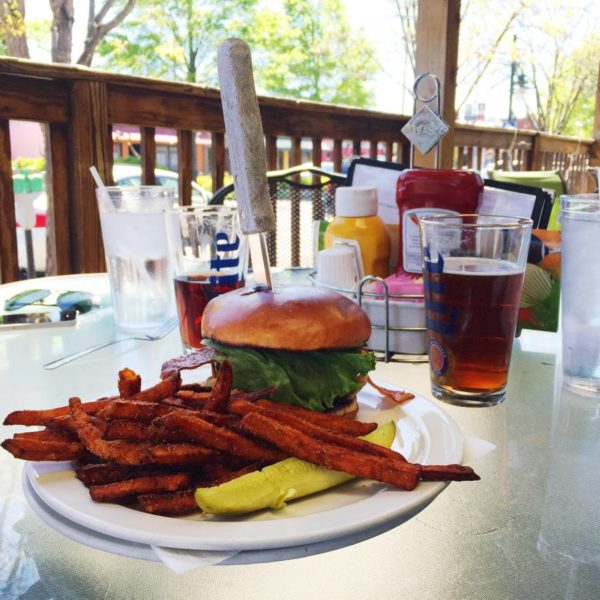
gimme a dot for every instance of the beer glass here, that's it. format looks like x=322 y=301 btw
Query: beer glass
x=209 y=255
x=473 y=269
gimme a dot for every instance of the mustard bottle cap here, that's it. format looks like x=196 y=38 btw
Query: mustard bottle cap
x=356 y=201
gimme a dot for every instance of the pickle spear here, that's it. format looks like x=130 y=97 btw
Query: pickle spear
x=276 y=484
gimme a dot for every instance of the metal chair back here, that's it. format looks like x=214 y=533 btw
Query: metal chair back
x=301 y=196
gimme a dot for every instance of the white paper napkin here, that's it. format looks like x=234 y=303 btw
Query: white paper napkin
x=474 y=448
x=180 y=560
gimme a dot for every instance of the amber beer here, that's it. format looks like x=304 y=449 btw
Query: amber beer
x=472 y=307
x=192 y=294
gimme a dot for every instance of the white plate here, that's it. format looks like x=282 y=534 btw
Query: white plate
x=425 y=434
x=99 y=541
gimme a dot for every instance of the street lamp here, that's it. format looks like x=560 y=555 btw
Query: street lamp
x=518 y=78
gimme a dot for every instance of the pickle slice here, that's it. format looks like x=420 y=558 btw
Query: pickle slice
x=276 y=484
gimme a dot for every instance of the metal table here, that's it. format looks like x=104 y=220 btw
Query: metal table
x=529 y=529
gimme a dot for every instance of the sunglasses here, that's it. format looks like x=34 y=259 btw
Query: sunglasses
x=80 y=301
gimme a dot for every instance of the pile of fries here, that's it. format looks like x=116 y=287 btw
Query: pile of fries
x=151 y=448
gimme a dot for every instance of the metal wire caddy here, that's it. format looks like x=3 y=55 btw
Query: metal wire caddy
x=385 y=355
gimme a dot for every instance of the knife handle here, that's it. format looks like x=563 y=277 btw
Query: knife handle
x=245 y=139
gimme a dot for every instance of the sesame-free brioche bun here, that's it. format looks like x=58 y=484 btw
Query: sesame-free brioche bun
x=292 y=318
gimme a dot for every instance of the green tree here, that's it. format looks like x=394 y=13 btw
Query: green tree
x=55 y=35
x=305 y=50
x=310 y=52
x=175 y=38
x=560 y=52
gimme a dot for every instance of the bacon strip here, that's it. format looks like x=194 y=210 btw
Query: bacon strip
x=194 y=360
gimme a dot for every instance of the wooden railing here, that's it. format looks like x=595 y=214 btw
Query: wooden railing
x=525 y=150
x=78 y=108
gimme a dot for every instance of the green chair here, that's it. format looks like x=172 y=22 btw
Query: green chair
x=551 y=180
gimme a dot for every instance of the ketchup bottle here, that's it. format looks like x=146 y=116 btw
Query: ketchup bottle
x=422 y=192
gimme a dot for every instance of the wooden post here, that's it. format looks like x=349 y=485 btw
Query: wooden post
x=296 y=154
x=437 y=52
x=271 y=148
x=218 y=159
x=534 y=162
x=185 y=140
x=9 y=267
x=88 y=129
x=58 y=199
x=337 y=155
x=148 y=155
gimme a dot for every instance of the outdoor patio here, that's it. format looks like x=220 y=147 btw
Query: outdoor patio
x=79 y=108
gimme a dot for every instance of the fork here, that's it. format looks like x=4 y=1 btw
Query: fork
x=157 y=334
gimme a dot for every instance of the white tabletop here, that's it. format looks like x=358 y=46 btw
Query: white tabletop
x=528 y=529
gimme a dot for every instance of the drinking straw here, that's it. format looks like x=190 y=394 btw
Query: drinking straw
x=104 y=197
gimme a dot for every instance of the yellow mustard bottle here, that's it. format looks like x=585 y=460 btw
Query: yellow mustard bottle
x=357 y=224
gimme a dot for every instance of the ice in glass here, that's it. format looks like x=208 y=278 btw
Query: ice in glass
x=135 y=246
x=580 y=291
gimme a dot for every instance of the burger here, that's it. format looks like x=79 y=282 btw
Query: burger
x=304 y=341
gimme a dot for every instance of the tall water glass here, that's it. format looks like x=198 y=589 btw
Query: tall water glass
x=135 y=246
x=473 y=269
x=580 y=291
x=209 y=254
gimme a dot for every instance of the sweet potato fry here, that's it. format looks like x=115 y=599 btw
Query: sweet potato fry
x=179 y=402
x=144 y=412
x=290 y=440
x=216 y=474
x=129 y=384
x=48 y=435
x=221 y=390
x=31 y=449
x=427 y=473
x=181 y=454
x=135 y=431
x=329 y=421
x=101 y=473
x=125 y=453
x=165 y=388
x=164 y=435
x=397 y=396
x=191 y=361
x=132 y=453
x=316 y=431
x=125 y=429
x=192 y=396
x=217 y=437
x=172 y=504
x=448 y=473
x=40 y=417
x=62 y=423
x=110 y=492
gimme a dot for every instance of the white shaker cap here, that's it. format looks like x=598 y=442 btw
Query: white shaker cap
x=355 y=201
x=337 y=267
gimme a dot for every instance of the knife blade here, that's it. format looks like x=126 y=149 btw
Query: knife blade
x=245 y=141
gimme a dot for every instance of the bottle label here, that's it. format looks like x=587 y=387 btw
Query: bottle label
x=411 y=241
